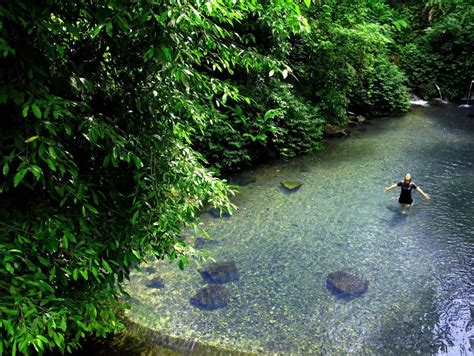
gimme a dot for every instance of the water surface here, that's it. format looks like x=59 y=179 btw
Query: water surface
x=419 y=265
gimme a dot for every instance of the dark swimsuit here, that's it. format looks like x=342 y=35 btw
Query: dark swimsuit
x=405 y=193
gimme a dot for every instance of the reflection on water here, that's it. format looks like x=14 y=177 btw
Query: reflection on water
x=419 y=263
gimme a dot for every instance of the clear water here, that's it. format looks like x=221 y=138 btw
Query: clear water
x=419 y=265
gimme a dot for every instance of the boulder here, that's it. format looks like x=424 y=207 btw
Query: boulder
x=291 y=185
x=157 y=283
x=220 y=273
x=345 y=284
x=211 y=297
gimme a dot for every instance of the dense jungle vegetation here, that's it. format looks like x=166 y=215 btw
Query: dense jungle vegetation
x=115 y=114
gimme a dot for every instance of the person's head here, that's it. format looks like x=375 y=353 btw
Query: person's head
x=407 y=178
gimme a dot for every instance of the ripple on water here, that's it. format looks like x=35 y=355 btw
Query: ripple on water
x=419 y=265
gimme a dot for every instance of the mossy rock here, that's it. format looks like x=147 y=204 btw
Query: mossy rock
x=211 y=297
x=344 y=284
x=291 y=185
x=220 y=273
x=157 y=283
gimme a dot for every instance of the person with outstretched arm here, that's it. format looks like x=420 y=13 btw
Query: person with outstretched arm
x=406 y=186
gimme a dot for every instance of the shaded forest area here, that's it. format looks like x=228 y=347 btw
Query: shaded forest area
x=118 y=117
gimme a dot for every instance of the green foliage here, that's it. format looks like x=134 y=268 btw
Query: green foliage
x=277 y=122
x=441 y=51
x=340 y=61
x=294 y=126
x=382 y=91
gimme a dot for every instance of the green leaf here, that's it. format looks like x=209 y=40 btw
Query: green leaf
x=9 y=268
x=167 y=53
x=6 y=168
x=96 y=30
x=58 y=339
x=25 y=110
x=84 y=274
x=19 y=177
x=107 y=266
x=44 y=261
x=51 y=165
x=135 y=216
x=65 y=242
x=122 y=23
x=37 y=171
x=31 y=139
x=109 y=29
x=75 y=274
x=91 y=209
x=36 y=111
x=307 y=2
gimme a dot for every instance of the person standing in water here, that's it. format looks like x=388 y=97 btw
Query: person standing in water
x=406 y=187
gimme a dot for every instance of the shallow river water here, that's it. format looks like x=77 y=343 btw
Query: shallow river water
x=419 y=265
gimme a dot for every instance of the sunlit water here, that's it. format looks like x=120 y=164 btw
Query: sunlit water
x=419 y=265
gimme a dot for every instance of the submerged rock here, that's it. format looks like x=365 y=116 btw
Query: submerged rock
x=220 y=273
x=303 y=168
x=149 y=269
x=211 y=297
x=291 y=185
x=157 y=283
x=346 y=285
x=242 y=180
x=218 y=213
x=201 y=242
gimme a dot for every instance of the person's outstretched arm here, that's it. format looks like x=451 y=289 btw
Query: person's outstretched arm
x=426 y=196
x=392 y=187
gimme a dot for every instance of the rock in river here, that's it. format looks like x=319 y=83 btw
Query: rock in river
x=155 y=283
x=220 y=273
x=346 y=285
x=291 y=185
x=218 y=213
x=242 y=180
x=211 y=297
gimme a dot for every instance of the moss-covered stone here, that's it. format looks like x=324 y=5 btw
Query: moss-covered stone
x=344 y=284
x=211 y=297
x=291 y=185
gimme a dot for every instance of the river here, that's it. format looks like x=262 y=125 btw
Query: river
x=419 y=263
